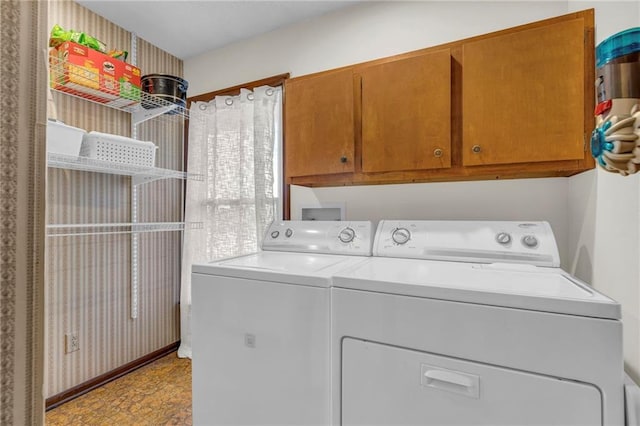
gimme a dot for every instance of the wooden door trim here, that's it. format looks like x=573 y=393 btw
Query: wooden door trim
x=274 y=81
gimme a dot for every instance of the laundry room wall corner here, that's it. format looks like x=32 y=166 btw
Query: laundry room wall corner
x=582 y=197
x=586 y=212
x=604 y=211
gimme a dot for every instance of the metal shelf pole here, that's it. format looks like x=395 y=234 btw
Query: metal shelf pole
x=134 y=204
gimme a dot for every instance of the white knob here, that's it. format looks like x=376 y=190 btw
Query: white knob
x=503 y=238
x=288 y=233
x=275 y=234
x=347 y=235
x=530 y=241
x=400 y=235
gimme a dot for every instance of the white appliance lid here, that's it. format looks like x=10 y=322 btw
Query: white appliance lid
x=506 y=285
x=310 y=269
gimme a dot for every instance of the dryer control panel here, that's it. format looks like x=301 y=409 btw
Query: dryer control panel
x=468 y=241
x=314 y=236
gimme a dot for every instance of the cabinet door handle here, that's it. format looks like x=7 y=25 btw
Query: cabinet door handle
x=476 y=149
x=437 y=153
x=343 y=159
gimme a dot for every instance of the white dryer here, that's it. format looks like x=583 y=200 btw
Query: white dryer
x=261 y=326
x=472 y=323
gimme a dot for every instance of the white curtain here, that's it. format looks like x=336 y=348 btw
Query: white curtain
x=231 y=144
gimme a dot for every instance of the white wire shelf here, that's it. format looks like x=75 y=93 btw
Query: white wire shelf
x=86 y=229
x=141 y=173
x=85 y=83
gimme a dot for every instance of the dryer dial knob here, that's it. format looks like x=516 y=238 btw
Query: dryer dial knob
x=401 y=235
x=503 y=238
x=347 y=235
x=530 y=241
x=275 y=234
x=288 y=233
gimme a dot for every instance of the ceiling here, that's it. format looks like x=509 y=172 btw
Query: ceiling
x=187 y=28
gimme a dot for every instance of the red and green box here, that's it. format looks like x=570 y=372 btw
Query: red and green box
x=85 y=72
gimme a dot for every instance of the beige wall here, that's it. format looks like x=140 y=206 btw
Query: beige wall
x=594 y=215
x=88 y=278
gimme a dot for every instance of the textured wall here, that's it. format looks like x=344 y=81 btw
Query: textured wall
x=88 y=278
x=22 y=170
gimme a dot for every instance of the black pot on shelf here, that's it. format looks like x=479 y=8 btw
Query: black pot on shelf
x=167 y=88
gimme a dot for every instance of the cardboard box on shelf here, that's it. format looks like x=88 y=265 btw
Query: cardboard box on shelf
x=129 y=82
x=87 y=73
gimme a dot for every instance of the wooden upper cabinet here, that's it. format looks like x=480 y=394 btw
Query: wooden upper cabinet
x=319 y=123
x=516 y=103
x=406 y=113
x=523 y=95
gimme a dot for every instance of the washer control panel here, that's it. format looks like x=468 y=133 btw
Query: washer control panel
x=337 y=237
x=468 y=241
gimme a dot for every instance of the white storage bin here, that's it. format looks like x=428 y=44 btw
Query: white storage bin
x=118 y=149
x=64 y=139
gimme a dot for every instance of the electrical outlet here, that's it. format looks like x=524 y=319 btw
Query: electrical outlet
x=71 y=342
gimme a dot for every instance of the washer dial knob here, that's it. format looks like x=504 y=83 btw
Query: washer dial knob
x=401 y=235
x=530 y=241
x=288 y=233
x=347 y=235
x=503 y=238
x=275 y=234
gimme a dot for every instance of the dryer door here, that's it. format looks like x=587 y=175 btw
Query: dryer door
x=384 y=385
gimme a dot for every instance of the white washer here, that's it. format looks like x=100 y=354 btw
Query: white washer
x=261 y=326
x=472 y=323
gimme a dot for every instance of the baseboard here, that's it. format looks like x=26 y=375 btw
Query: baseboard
x=107 y=377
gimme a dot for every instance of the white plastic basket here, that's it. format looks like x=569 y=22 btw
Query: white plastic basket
x=63 y=139
x=118 y=149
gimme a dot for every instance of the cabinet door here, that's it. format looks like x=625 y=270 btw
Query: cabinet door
x=319 y=124
x=523 y=96
x=406 y=114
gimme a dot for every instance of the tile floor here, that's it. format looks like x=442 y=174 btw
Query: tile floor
x=156 y=394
